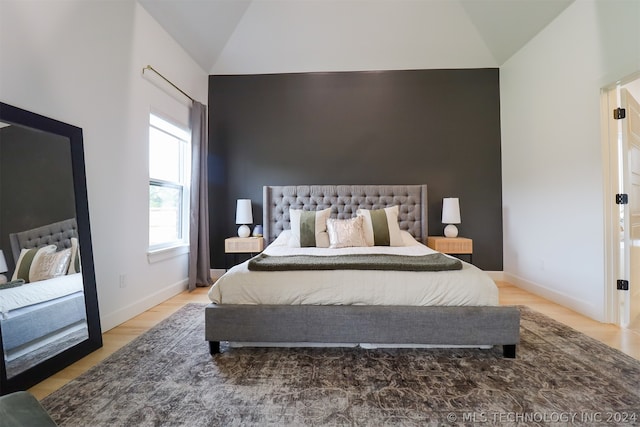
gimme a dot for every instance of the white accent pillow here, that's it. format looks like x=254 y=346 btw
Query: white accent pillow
x=381 y=226
x=50 y=265
x=300 y=233
x=345 y=233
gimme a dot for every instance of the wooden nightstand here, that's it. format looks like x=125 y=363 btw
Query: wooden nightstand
x=452 y=245
x=243 y=245
x=246 y=245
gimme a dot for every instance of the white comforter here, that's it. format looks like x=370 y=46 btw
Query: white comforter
x=37 y=292
x=467 y=287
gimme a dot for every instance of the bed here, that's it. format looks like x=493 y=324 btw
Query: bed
x=262 y=319
x=43 y=317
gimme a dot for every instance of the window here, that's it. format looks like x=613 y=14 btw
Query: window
x=169 y=172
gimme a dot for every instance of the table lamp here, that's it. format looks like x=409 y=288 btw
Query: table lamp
x=450 y=216
x=244 y=216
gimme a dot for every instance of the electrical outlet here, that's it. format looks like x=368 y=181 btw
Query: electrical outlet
x=123 y=281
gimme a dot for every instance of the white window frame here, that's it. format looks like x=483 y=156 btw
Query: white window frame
x=165 y=250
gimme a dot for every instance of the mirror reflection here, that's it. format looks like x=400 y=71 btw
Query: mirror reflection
x=42 y=301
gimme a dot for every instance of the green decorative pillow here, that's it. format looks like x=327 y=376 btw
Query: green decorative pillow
x=381 y=226
x=309 y=228
x=27 y=258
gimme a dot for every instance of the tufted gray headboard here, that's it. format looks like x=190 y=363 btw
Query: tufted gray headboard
x=345 y=200
x=57 y=233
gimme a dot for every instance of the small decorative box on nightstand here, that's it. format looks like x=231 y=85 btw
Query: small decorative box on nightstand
x=451 y=245
x=251 y=245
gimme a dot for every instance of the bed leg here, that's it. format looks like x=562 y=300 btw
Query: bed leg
x=214 y=347
x=509 y=351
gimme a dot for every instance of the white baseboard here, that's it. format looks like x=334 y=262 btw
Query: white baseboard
x=120 y=316
x=570 y=301
x=496 y=275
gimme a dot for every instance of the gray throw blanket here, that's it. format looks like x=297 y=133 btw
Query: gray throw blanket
x=431 y=262
x=12 y=284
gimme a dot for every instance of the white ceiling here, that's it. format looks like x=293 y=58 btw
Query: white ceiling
x=268 y=36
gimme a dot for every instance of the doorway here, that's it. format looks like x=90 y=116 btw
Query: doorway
x=622 y=123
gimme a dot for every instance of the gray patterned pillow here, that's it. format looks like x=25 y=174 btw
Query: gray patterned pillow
x=50 y=265
x=345 y=233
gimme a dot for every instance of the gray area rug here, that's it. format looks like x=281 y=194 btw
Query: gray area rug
x=166 y=377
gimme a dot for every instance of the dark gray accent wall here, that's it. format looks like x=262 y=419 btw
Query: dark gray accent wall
x=434 y=127
x=36 y=182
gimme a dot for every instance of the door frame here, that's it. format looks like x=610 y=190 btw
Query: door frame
x=611 y=170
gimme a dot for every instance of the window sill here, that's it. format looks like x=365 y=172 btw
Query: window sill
x=157 y=255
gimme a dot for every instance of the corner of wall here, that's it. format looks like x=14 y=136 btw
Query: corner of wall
x=582 y=306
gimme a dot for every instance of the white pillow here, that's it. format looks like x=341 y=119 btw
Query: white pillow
x=27 y=258
x=309 y=228
x=49 y=265
x=381 y=226
x=408 y=239
x=345 y=233
x=74 y=262
x=282 y=239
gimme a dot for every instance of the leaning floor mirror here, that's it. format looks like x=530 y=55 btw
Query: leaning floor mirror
x=48 y=300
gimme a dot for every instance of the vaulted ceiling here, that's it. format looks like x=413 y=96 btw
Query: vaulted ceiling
x=274 y=36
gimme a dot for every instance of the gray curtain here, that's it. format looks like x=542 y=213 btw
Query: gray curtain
x=199 y=261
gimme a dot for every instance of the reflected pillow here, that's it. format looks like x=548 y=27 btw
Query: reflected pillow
x=345 y=233
x=381 y=226
x=74 y=262
x=50 y=265
x=27 y=258
x=309 y=228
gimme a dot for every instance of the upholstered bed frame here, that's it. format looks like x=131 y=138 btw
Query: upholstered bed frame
x=446 y=326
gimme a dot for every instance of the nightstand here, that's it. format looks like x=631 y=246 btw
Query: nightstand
x=243 y=245
x=452 y=245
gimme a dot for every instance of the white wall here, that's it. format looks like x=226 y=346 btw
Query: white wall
x=80 y=62
x=552 y=154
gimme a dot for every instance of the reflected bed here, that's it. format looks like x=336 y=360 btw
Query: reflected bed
x=42 y=318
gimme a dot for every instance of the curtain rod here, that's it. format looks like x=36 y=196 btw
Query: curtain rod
x=149 y=67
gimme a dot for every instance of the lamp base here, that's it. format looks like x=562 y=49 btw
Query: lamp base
x=451 y=231
x=244 y=231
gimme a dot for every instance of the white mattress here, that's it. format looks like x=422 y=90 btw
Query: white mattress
x=38 y=292
x=467 y=287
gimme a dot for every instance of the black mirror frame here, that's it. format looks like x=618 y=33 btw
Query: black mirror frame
x=24 y=380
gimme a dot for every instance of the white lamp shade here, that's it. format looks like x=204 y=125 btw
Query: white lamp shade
x=244 y=215
x=450 y=210
x=3 y=263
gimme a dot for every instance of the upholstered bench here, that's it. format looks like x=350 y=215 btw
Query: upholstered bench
x=21 y=409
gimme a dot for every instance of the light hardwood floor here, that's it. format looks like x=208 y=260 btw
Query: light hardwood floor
x=625 y=340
